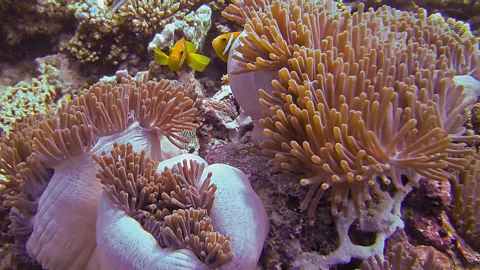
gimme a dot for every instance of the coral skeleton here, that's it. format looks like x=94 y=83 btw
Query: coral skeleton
x=383 y=220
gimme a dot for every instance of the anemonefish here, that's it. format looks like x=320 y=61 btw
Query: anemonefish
x=183 y=52
x=223 y=43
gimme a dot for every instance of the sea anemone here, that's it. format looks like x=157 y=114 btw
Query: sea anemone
x=465 y=209
x=50 y=173
x=180 y=213
x=359 y=100
x=401 y=258
x=347 y=135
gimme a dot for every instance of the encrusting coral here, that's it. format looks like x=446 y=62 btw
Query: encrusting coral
x=467 y=11
x=23 y=99
x=62 y=207
x=58 y=79
x=189 y=215
x=358 y=96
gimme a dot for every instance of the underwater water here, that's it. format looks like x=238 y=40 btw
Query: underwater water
x=239 y=134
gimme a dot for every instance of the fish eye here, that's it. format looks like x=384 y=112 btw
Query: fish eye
x=224 y=40
x=181 y=52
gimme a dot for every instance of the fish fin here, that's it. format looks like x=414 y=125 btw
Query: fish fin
x=160 y=57
x=191 y=47
x=197 y=61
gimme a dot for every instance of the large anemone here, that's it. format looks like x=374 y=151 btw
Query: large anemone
x=399 y=258
x=180 y=213
x=50 y=173
x=354 y=101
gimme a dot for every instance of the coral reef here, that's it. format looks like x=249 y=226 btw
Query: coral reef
x=23 y=99
x=220 y=112
x=381 y=220
x=59 y=79
x=31 y=18
x=362 y=100
x=465 y=10
x=366 y=107
x=193 y=27
x=335 y=137
x=50 y=163
x=111 y=40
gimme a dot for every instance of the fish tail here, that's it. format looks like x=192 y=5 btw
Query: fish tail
x=160 y=57
x=197 y=61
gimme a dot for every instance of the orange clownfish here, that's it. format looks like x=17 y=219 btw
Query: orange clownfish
x=223 y=43
x=183 y=52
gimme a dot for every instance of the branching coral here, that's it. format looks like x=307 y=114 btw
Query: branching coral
x=178 y=216
x=360 y=96
x=113 y=39
x=147 y=114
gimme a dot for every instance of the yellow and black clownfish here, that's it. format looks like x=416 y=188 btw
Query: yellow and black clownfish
x=223 y=43
x=183 y=52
